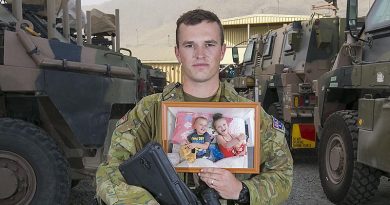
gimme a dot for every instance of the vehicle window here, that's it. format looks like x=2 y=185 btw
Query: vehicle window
x=287 y=40
x=379 y=15
x=248 y=55
x=269 y=44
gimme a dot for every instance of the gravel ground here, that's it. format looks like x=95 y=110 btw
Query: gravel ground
x=306 y=183
x=83 y=193
x=306 y=190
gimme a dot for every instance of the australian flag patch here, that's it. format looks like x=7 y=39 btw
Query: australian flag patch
x=278 y=125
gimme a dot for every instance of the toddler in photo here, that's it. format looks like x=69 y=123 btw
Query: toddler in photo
x=229 y=144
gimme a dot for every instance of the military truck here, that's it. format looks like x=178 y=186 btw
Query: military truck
x=279 y=67
x=60 y=97
x=354 y=110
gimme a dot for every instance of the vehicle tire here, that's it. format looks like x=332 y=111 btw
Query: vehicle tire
x=32 y=168
x=344 y=180
x=275 y=109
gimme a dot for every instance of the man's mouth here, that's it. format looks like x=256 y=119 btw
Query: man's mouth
x=200 y=64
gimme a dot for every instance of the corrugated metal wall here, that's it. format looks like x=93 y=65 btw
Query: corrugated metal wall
x=236 y=29
x=262 y=29
x=263 y=18
x=171 y=68
x=237 y=34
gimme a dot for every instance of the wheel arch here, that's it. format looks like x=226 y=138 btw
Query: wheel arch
x=337 y=99
x=42 y=113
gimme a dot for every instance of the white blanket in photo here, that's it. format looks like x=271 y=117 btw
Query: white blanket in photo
x=230 y=162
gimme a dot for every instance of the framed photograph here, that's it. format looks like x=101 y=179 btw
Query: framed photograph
x=212 y=134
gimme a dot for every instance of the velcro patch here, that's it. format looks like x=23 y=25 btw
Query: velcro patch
x=278 y=125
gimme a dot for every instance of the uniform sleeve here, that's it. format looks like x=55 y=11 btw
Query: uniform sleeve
x=273 y=184
x=110 y=185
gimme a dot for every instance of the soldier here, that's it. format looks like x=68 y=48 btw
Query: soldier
x=199 y=48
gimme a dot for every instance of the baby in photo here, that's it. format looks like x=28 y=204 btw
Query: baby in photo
x=199 y=140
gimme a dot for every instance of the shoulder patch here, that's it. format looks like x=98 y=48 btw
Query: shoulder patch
x=278 y=125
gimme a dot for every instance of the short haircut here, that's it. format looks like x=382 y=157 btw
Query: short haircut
x=195 y=17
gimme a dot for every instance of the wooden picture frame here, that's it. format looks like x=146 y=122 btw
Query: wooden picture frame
x=242 y=118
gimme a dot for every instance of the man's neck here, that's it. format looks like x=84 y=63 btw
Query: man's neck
x=201 y=90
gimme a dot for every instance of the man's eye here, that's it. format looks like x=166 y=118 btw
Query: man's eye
x=210 y=44
x=188 y=46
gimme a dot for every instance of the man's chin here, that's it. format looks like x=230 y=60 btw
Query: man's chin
x=201 y=80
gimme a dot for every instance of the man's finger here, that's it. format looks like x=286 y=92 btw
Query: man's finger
x=206 y=175
x=213 y=170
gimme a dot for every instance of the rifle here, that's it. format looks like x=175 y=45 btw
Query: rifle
x=151 y=169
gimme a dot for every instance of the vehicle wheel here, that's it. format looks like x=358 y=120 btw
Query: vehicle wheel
x=275 y=109
x=344 y=180
x=32 y=169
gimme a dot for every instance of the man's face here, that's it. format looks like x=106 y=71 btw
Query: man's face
x=200 y=126
x=221 y=126
x=200 y=51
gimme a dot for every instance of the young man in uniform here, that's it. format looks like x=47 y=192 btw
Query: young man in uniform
x=199 y=48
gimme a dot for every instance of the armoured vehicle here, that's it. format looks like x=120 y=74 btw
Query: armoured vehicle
x=279 y=67
x=59 y=99
x=354 y=110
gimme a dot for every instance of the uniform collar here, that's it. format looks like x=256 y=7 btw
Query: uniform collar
x=174 y=92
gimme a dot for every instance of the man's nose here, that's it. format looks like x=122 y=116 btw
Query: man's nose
x=200 y=52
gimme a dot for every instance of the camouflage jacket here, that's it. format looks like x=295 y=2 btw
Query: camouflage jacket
x=142 y=125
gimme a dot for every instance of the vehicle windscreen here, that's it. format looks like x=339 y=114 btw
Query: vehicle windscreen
x=379 y=16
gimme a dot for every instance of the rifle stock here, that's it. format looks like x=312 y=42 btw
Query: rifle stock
x=150 y=169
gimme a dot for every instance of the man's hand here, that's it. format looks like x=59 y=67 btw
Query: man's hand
x=223 y=181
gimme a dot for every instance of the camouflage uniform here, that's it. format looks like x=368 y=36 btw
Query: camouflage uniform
x=142 y=125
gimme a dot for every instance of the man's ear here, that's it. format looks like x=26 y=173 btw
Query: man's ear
x=223 y=50
x=177 y=54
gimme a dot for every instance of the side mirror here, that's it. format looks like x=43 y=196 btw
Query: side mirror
x=235 y=56
x=352 y=15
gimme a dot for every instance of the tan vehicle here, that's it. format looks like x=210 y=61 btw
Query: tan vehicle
x=60 y=96
x=278 y=70
x=353 y=110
